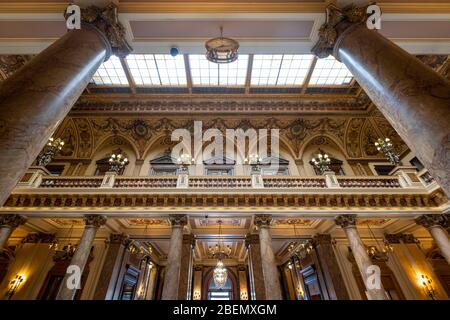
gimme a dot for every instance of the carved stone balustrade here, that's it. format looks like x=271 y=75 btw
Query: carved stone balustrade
x=369 y=182
x=145 y=182
x=220 y=182
x=71 y=182
x=294 y=182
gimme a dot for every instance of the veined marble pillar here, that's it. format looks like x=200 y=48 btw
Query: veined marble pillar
x=187 y=260
x=413 y=97
x=8 y=222
x=107 y=281
x=348 y=223
x=436 y=225
x=173 y=269
x=257 y=286
x=269 y=266
x=81 y=255
x=35 y=99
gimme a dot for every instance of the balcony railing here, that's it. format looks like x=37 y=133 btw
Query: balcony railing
x=368 y=182
x=220 y=182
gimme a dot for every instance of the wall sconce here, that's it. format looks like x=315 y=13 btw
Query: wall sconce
x=196 y=295
x=300 y=293
x=427 y=284
x=244 y=295
x=14 y=285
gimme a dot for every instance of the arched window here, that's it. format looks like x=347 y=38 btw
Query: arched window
x=216 y=166
x=224 y=293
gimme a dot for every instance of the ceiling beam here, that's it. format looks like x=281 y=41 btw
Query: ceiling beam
x=308 y=76
x=187 y=67
x=248 y=77
x=127 y=71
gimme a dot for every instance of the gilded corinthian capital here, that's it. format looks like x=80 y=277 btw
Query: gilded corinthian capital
x=11 y=220
x=106 y=20
x=346 y=220
x=263 y=220
x=179 y=220
x=95 y=221
x=432 y=220
x=337 y=21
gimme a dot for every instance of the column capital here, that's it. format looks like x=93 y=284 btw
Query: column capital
x=263 y=220
x=11 y=220
x=39 y=237
x=95 y=221
x=329 y=32
x=178 y=220
x=106 y=20
x=251 y=239
x=432 y=220
x=119 y=238
x=346 y=220
x=322 y=238
x=395 y=238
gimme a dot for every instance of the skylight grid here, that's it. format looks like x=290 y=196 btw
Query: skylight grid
x=206 y=73
x=110 y=73
x=329 y=71
x=280 y=69
x=157 y=70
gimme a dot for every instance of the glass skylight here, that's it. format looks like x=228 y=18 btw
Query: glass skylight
x=110 y=73
x=157 y=69
x=280 y=69
x=206 y=73
x=329 y=71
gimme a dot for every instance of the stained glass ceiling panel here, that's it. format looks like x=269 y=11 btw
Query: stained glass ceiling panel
x=157 y=69
x=329 y=71
x=110 y=73
x=206 y=73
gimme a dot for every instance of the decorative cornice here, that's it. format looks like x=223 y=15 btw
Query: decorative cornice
x=95 y=221
x=11 y=220
x=39 y=237
x=432 y=220
x=263 y=220
x=178 y=220
x=187 y=104
x=106 y=20
x=337 y=22
x=346 y=220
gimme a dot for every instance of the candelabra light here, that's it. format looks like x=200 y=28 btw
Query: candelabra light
x=14 y=285
x=221 y=50
x=379 y=252
x=196 y=295
x=254 y=161
x=184 y=161
x=50 y=150
x=427 y=284
x=117 y=162
x=387 y=148
x=244 y=295
x=321 y=162
x=220 y=273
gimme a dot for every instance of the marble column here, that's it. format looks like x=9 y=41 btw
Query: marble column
x=414 y=98
x=330 y=268
x=81 y=255
x=109 y=275
x=436 y=224
x=8 y=222
x=363 y=261
x=187 y=255
x=173 y=269
x=268 y=262
x=257 y=286
x=35 y=99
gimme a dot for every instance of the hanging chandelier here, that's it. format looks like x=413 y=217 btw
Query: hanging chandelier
x=220 y=273
x=321 y=162
x=221 y=50
x=117 y=162
x=378 y=252
x=184 y=161
x=50 y=150
x=387 y=148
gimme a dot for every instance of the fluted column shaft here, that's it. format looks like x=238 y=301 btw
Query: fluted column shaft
x=362 y=259
x=413 y=98
x=81 y=255
x=8 y=223
x=435 y=225
x=173 y=269
x=269 y=266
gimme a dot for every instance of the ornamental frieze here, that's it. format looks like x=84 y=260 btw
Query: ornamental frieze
x=260 y=201
x=353 y=135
